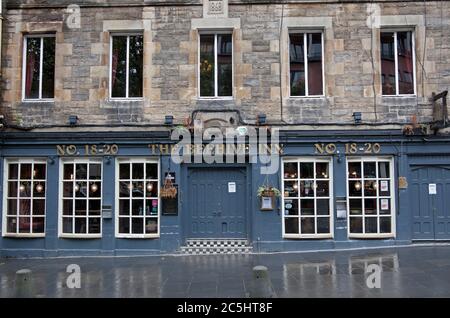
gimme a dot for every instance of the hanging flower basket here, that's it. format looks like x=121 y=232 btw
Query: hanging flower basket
x=168 y=190
x=268 y=197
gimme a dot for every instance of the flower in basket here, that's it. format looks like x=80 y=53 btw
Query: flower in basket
x=267 y=191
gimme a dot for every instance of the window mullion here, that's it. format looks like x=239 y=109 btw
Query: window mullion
x=396 y=64
x=127 y=81
x=41 y=67
x=305 y=61
x=216 y=82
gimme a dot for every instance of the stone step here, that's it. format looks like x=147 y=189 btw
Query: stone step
x=216 y=246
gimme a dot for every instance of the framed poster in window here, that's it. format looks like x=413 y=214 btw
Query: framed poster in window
x=170 y=205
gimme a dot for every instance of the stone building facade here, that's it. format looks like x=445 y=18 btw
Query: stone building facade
x=261 y=79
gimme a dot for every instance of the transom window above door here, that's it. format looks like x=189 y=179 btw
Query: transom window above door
x=216 y=66
x=307 y=198
x=127 y=63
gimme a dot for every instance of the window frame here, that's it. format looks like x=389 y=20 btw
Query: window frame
x=330 y=179
x=88 y=161
x=127 y=81
x=6 y=163
x=393 y=213
x=216 y=89
x=305 y=60
x=41 y=66
x=131 y=160
x=414 y=74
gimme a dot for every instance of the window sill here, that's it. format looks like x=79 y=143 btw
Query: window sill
x=137 y=236
x=38 y=100
x=80 y=236
x=138 y=99
x=400 y=96
x=307 y=97
x=372 y=236
x=215 y=98
x=308 y=237
x=23 y=236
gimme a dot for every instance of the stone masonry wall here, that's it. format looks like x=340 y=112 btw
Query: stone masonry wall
x=352 y=81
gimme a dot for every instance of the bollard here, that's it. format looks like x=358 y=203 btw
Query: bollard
x=24 y=284
x=261 y=286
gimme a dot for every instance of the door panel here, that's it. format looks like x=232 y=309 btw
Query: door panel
x=214 y=212
x=430 y=212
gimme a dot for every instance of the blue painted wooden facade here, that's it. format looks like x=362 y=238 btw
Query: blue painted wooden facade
x=418 y=216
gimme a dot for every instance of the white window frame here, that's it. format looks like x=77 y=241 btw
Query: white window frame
x=41 y=65
x=5 y=197
x=127 y=81
x=378 y=197
x=117 y=189
x=216 y=88
x=330 y=198
x=413 y=44
x=61 y=198
x=305 y=59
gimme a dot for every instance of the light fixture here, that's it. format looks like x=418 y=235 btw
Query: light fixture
x=149 y=187
x=39 y=188
x=374 y=185
x=262 y=119
x=168 y=120
x=22 y=188
x=73 y=120
x=295 y=186
x=357 y=117
x=131 y=186
x=77 y=187
x=358 y=186
x=94 y=187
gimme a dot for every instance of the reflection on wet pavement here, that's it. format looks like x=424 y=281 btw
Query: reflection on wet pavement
x=403 y=272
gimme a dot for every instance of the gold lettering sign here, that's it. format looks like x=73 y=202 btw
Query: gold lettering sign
x=87 y=150
x=350 y=148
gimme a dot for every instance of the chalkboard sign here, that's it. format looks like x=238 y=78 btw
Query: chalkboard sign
x=170 y=206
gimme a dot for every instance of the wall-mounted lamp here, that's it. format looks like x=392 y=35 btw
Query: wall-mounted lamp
x=73 y=120
x=339 y=156
x=262 y=119
x=357 y=117
x=107 y=160
x=168 y=120
x=51 y=160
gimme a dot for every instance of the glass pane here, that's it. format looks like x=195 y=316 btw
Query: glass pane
x=138 y=207
x=385 y=225
x=370 y=206
x=307 y=207
x=291 y=170
x=356 y=206
x=370 y=170
x=136 y=66
x=323 y=225
x=387 y=63
x=38 y=207
x=137 y=225
x=290 y=207
x=152 y=171
x=119 y=66
x=81 y=171
x=124 y=171
x=224 y=65
x=94 y=207
x=314 y=47
x=67 y=225
x=24 y=207
x=370 y=188
x=308 y=226
x=307 y=188
x=151 y=226
x=11 y=225
x=82 y=190
x=323 y=207
x=291 y=189
x=48 y=68
x=68 y=189
x=80 y=207
x=356 y=225
x=39 y=171
x=151 y=189
x=12 y=189
x=322 y=170
x=323 y=189
x=24 y=225
x=25 y=189
x=291 y=226
x=151 y=207
x=38 y=225
x=124 y=225
x=68 y=171
x=94 y=226
x=80 y=226
x=138 y=171
x=354 y=170
x=39 y=189
x=12 y=207
x=355 y=188
x=383 y=170
x=67 y=207
x=385 y=206
x=25 y=171
x=13 y=171
x=207 y=65
x=124 y=189
x=371 y=225
x=95 y=171
x=124 y=207
x=297 y=64
x=138 y=189
x=405 y=63
x=95 y=190
x=32 y=68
